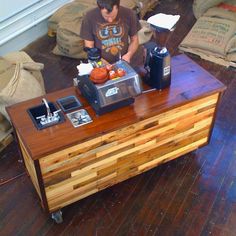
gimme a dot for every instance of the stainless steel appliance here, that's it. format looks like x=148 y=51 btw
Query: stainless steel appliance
x=114 y=93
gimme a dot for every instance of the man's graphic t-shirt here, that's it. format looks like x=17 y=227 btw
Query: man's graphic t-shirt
x=111 y=38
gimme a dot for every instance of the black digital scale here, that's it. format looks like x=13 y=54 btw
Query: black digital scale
x=112 y=94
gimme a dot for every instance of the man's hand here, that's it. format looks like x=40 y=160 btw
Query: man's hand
x=88 y=44
x=127 y=57
x=133 y=46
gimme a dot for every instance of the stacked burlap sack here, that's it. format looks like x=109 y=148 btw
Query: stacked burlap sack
x=213 y=36
x=65 y=24
x=6 y=136
x=201 y=6
x=145 y=6
x=20 y=80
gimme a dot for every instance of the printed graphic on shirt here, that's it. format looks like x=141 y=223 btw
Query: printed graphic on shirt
x=110 y=35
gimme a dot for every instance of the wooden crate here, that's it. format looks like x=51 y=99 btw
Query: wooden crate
x=5 y=139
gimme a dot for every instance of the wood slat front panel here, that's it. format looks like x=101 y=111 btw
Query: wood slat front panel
x=86 y=168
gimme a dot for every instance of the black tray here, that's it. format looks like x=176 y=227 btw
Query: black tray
x=69 y=103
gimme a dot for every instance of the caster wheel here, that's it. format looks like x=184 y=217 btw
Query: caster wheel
x=57 y=217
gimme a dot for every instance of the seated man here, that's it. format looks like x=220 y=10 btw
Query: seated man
x=113 y=29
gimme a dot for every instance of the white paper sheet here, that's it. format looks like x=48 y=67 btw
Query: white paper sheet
x=164 y=21
x=84 y=68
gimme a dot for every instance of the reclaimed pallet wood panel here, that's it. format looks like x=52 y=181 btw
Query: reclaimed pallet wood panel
x=29 y=163
x=89 y=167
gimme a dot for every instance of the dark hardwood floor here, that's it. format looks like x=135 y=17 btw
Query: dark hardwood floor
x=193 y=195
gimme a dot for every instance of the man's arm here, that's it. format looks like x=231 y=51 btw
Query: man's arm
x=133 y=46
x=88 y=44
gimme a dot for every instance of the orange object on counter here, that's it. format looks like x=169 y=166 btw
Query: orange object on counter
x=112 y=74
x=99 y=75
x=109 y=67
x=120 y=72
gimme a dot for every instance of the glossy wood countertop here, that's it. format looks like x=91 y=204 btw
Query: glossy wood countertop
x=189 y=82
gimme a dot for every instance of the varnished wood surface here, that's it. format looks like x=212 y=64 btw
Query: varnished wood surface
x=193 y=195
x=189 y=82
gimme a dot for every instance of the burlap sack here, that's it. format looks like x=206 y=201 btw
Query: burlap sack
x=87 y=2
x=5 y=125
x=225 y=10
x=231 y=49
x=132 y=4
x=70 y=12
x=228 y=61
x=5 y=138
x=126 y=3
x=210 y=34
x=69 y=43
x=7 y=70
x=146 y=6
x=213 y=39
x=22 y=85
x=201 y=6
x=221 y=13
x=1 y=117
x=29 y=64
x=232 y=58
x=145 y=33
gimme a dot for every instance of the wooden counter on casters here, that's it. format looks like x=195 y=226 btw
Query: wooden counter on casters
x=67 y=164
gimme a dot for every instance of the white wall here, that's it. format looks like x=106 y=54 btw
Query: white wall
x=23 y=21
x=8 y=9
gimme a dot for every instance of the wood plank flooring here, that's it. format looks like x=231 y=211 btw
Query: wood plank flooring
x=193 y=195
